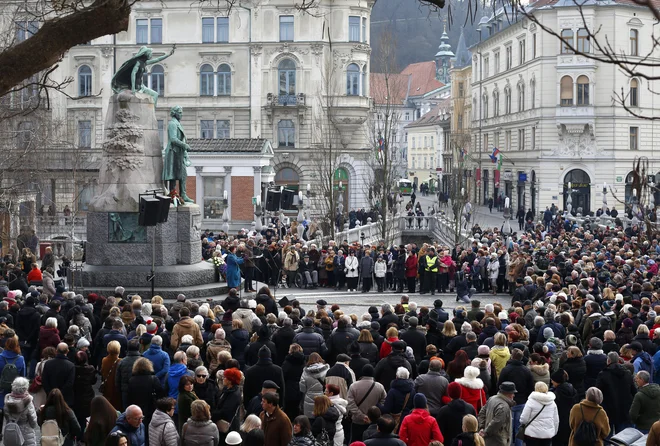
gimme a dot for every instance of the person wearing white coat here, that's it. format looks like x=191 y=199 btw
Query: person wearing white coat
x=380 y=270
x=341 y=405
x=541 y=426
x=493 y=272
x=351 y=269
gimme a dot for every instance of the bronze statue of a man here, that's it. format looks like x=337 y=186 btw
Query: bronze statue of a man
x=129 y=75
x=175 y=155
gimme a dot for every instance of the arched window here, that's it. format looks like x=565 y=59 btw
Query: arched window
x=287 y=80
x=353 y=80
x=364 y=81
x=583 y=90
x=286 y=133
x=290 y=180
x=583 y=40
x=84 y=81
x=224 y=80
x=158 y=80
x=521 y=97
x=634 y=88
x=206 y=80
x=567 y=41
x=566 y=94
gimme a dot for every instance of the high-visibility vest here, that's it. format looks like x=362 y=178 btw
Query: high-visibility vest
x=431 y=264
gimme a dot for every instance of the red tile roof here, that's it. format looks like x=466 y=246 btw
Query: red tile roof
x=423 y=78
x=392 y=88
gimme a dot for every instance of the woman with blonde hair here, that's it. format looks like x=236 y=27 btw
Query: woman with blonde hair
x=448 y=333
x=251 y=431
x=199 y=430
x=470 y=435
x=541 y=417
x=144 y=388
x=108 y=372
x=499 y=354
x=325 y=416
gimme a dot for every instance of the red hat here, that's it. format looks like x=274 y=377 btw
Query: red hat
x=454 y=390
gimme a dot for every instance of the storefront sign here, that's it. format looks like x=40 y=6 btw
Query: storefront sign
x=522 y=177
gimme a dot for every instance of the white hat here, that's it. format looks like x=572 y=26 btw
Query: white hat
x=471 y=372
x=233 y=438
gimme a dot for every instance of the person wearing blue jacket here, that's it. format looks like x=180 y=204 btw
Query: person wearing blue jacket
x=159 y=358
x=130 y=423
x=233 y=268
x=12 y=355
x=178 y=369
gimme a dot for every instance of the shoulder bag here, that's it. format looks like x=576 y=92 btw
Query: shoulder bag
x=521 y=430
x=102 y=386
x=397 y=416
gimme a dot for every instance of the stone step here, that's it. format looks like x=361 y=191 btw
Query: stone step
x=214 y=291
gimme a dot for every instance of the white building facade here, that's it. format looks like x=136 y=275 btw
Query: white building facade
x=258 y=71
x=552 y=114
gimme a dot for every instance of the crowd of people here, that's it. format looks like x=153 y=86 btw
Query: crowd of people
x=568 y=356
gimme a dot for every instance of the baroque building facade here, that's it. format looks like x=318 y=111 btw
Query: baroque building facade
x=262 y=70
x=552 y=113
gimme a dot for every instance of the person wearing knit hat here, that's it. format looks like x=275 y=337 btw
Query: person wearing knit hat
x=451 y=415
x=420 y=428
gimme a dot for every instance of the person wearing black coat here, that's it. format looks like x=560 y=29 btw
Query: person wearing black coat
x=268 y=302
x=310 y=340
x=85 y=380
x=368 y=350
x=54 y=311
x=595 y=361
x=378 y=339
x=339 y=341
x=327 y=421
x=565 y=398
x=472 y=347
x=516 y=372
x=230 y=402
x=577 y=370
x=616 y=383
x=28 y=324
x=450 y=416
x=125 y=370
x=396 y=402
x=60 y=373
x=231 y=302
x=97 y=345
x=207 y=390
x=253 y=438
x=385 y=371
x=263 y=340
x=292 y=369
x=256 y=375
x=357 y=360
x=283 y=338
x=239 y=338
x=144 y=388
x=415 y=339
x=387 y=318
x=648 y=345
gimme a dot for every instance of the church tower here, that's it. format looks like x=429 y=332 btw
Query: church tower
x=443 y=57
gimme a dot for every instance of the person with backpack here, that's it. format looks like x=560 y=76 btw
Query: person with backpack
x=641 y=360
x=59 y=425
x=20 y=417
x=588 y=420
x=645 y=408
x=12 y=365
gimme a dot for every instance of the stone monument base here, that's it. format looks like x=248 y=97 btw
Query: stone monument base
x=119 y=252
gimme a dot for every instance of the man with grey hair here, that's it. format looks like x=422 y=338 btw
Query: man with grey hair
x=645 y=408
x=119 y=292
x=159 y=358
x=616 y=384
x=60 y=373
x=433 y=385
x=178 y=369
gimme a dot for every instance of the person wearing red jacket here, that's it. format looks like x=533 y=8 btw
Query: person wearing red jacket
x=420 y=428
x=411 y=271
x=472 y=388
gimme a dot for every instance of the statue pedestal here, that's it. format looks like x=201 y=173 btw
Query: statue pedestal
x=110 y=262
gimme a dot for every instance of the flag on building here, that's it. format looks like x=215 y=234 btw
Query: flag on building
x=494 y=156
x=381 y=146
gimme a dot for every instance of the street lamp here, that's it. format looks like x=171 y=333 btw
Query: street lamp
x=362 y=237
x=225 y=217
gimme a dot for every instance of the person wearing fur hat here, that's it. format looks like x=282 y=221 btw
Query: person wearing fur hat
x=472 y=388
x=419 y=428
